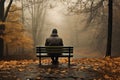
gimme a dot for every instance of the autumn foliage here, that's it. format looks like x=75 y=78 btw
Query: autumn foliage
x=15 y=34
x=95 y=69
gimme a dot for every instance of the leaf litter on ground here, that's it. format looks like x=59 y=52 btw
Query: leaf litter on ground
x=108 y=68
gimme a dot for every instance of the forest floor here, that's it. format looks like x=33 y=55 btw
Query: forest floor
x=80 y=69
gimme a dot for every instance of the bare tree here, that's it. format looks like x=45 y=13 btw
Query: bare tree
x=95 y=10
x=36 y=10
x=110 y=24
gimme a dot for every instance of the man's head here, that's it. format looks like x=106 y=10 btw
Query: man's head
x=54 y=31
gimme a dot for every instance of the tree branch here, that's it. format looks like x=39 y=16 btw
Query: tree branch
x=8 y=8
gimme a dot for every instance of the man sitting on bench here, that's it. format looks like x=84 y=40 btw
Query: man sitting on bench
x=54 y=40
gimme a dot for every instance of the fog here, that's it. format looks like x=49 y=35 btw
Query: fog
x=71 y=30
x=87 y=40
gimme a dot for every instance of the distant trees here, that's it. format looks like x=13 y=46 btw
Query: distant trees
x=33 y=17
x=96 y=11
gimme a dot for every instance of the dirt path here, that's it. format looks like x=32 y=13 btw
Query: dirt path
x=48 y=72
x=80 y=69
x=52 y=72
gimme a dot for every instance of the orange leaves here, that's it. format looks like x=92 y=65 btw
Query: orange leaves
x=21 y=69
x=12 y=32
x=14 y=14
x=49 y=70
x=14 y=8
x=15 y=35
x=28 y=43
x=109 y=67
x=82 y=67
x=64 y=71
x=7 y=65
x=106 y=77
x=104 y=68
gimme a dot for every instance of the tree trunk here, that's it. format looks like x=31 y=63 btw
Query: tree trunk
x=3 y=16
x=109 y=38
x=1 y=10
x=1 y=28
x=1 y=47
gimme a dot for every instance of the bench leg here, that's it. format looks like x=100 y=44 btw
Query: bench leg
x=39 y=60
x=68 y=61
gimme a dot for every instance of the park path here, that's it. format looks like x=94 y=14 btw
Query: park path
x=80 y=69
x=55 y=72
x=48 y=71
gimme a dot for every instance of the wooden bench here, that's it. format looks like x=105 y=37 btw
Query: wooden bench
x=44 y=51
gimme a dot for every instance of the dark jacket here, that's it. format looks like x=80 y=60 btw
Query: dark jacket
x=54 y=40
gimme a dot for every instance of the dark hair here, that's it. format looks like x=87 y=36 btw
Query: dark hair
x=54 y=31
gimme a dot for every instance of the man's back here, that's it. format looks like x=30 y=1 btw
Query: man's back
x=54 y=41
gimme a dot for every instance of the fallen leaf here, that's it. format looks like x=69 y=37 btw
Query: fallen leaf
x=21 y=70
x=106 y=76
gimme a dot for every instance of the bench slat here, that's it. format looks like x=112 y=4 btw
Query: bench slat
x=45 y=54
x=54 y=49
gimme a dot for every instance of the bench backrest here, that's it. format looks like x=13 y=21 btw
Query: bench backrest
x=54 y=49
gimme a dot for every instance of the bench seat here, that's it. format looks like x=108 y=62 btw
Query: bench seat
x=46 y=55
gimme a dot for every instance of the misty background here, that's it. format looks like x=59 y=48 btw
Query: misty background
x=88 y=39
